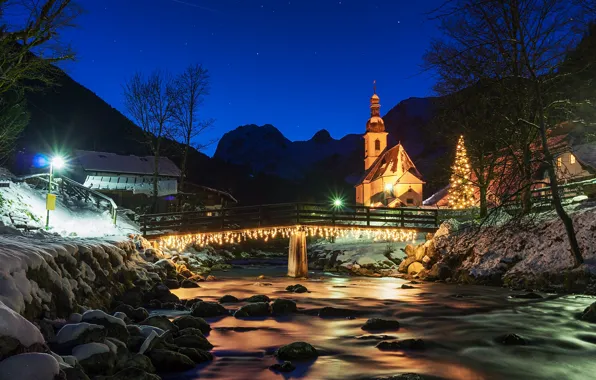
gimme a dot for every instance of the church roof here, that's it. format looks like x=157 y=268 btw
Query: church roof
x=393 y=161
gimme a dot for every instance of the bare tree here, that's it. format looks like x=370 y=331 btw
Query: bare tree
x=188 y=92
x=148 y=101
x=519 y=45
x=29 y=48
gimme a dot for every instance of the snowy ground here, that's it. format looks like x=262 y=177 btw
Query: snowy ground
x=524 y=250
x=71 y=217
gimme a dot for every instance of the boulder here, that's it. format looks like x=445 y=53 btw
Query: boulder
x=257 y=309
x=135 y=315
x=188 y=283
x=410 y=250
x=406 y=286
x=188 y=321
x=283 y=306
x=74 y=373
x=378 y=324
x=141 y=362
x=115 y=327
x=402 y=345
x=258 y=298
x=228 y=299
x=190 y=331
x=193 y=341
x=208 y=309
x=30 y=366
x=95 y=358
x=403 y=266
x=170 y=361
x=132 y=297
x=160 y=321
x=415 y=267
x=131 y=373
x=161 y=293
x=122 y=316
x=298 y=288
x=283 y=367
x=172 y=283
x=420 y=252
x=76 y=334
x=439 y=271
x=17 y=335
x=196 y=355
x=511 y=340
x=297 y=351
x=589 y=313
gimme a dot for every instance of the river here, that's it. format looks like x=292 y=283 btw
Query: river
x=459 y=325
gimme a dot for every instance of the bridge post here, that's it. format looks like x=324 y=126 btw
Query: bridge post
x=297 y=261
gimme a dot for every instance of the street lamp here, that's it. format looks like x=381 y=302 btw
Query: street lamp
x=56 y=162
x=338 y=202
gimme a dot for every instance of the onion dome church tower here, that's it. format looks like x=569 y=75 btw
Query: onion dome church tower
x=375 y=138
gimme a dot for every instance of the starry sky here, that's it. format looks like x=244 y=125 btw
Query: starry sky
x=301 y=65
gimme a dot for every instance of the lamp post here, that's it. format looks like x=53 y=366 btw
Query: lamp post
x=56 y=162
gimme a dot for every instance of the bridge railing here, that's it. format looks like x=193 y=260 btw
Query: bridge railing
x=287 y=214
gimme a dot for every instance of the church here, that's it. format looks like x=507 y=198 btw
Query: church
x=390 y=177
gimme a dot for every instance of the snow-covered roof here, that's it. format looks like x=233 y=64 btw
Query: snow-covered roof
x=586 y=154
x=92 y=161
x=393 y=161
x=437 y=197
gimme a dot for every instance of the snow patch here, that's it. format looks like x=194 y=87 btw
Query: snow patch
x=31 y=366
x=86 y=351
x=15 y=326
x=70 y=332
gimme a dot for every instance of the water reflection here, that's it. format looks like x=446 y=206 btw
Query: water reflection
x=459 y=323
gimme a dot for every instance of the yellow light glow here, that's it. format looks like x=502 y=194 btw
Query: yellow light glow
x=180 y=242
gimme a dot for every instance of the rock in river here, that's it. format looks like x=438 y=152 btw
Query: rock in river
x=228 y=299
x=406 y=344
x=511 y=340
x=170 y=361
x=188 y=321
x=283 y=306
x=258 y=298
x=256 y=309
x=297 y=351
x=285 y=367
x=193 y=341
x=208 y=309
x=378 y=324
x=297 y=288
x=589 y=314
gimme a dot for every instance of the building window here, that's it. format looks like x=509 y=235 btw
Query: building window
x=377 y=145
x=559 y=161
x=572 y=159
x=410 y=201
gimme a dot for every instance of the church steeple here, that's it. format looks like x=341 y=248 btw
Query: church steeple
x=375 y=123
x=375 y=138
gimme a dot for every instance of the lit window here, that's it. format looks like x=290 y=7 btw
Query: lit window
x=572 y=159
x=377 y=145
x=559 y=161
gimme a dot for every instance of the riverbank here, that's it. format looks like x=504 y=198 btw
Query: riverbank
x=529 y=254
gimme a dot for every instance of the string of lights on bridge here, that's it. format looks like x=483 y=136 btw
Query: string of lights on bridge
x=180 y=242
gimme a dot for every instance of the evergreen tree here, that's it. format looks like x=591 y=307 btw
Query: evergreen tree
x=461 y=192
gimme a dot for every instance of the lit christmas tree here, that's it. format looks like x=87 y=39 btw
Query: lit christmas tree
x=461 y=192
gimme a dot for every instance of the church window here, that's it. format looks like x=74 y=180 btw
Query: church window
x=410 y=201
x=572 y=159
x=559 y=161
x=377 y=145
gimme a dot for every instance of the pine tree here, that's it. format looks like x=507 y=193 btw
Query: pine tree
x=461 y=192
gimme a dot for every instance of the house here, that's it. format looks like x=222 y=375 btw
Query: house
x=127 y=179
x=574 y=161
x=205 y=198
x=390 y=178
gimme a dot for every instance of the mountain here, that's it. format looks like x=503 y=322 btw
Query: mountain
x=266 y=150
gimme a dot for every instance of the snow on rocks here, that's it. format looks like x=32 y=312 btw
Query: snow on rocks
x=15 y=326
x=87 y=350
x=31 y=366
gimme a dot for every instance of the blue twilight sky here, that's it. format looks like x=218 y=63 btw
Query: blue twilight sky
x=301 y=65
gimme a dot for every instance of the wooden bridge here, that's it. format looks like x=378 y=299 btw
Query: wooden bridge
x=294 y=220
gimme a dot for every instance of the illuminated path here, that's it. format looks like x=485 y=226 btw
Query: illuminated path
x=295 y=221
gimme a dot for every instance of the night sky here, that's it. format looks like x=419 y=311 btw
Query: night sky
x=301 y=65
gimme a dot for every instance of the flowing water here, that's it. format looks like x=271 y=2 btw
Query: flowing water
x=458 y=323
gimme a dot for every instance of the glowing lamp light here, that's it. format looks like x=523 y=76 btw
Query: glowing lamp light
x=338 y=202
x=57 y=162
x=388 y=187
